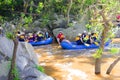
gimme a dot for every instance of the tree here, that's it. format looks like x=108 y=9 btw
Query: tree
x=68 y=12
x=12 y=75
x=112 y=65
x=102 y=18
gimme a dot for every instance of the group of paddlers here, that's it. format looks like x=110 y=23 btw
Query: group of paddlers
x=30 y=37
x=87 y=38
x=81 y=39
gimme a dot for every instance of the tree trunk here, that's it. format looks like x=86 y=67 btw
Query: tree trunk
x=68 y=12
x=98 y=60
x=98 y=66
x=104 y=36
x=112 y=65
x=11 y=75
x=26 y=5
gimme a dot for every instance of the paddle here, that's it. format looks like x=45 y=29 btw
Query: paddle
x=86 y=44
x=96 y=43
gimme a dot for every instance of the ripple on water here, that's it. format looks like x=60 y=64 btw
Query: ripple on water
x=72 y=72
x=59 y=64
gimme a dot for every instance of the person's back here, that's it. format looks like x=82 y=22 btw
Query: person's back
x=39 y=37
x=30 y=37
x=94 y=37
x=60 y=37
x=79 y=40
x=47 y=35
x=83 y=35
x=22 y=38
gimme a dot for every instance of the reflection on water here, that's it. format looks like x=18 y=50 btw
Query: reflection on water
x=74 y=64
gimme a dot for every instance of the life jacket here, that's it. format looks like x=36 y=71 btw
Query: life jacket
x=77 y=38
x=40 y=35
x=31 y=36
x=62 y=37
x=21 y=38
x=59 y=35
x=94 y=36
x=86 y=38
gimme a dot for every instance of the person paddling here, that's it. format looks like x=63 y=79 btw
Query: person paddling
x=118 y=20
x=60 y=37
x=94 y=37
x=79 y=40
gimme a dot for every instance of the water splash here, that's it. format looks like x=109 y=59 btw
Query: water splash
x=72 y=72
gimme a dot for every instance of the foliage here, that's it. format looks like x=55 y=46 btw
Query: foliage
x=10 y=35
x=40 y=68
x=88 y=26
x=101 y=21
x=98 y=53
x=40 y=7
x=16 y=74
x=114 y=50
x=70 y=24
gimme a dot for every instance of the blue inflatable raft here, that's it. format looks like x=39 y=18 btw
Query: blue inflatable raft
x=43 y=42
x=72 y=45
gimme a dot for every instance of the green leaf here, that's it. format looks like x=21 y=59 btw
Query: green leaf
x=40 y=68
x=98 y=53
x=9 y=35
x=22 y=15
x=114 y=50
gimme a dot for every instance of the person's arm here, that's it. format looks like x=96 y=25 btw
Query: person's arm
x=58 y=40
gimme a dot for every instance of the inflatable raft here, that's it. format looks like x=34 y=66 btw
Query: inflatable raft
x=43 y=42
x=73 y=45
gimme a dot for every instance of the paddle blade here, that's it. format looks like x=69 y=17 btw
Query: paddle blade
x=96 y=43
x=86 y=44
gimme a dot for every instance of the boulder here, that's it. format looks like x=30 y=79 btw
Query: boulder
x=71 y=32
x=4 y=69
x=31 y=73
x=26 y=60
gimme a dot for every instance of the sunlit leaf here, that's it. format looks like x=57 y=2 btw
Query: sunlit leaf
x=40 y=68
x=98 y=53
x=114 y=50
x=10 y=35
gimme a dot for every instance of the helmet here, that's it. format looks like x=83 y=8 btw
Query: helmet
x=60 y=32
x=21 y=36
x=1 y=28
x=118 y=17
x=84 y=31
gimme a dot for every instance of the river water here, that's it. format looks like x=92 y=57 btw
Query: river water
x=74 y=64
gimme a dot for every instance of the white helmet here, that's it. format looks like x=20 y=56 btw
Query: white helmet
x=1 y=28
x=84 y=31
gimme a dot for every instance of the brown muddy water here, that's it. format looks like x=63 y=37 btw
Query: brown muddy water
x=74 y=64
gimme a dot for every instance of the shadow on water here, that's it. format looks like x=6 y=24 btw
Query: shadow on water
x=51 y=70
